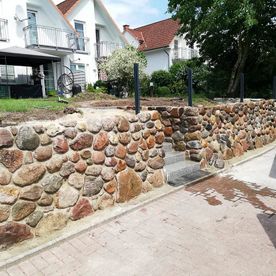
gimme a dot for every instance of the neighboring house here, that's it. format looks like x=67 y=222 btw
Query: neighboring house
x=80 y=32
x=160 y=43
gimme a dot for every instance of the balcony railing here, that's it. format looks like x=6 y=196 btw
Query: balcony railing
x=4 y=36
x=54 y=38
x=184 y=53
x=104 y=49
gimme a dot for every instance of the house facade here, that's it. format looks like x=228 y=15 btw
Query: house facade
x=160 y=43
x=71 y=30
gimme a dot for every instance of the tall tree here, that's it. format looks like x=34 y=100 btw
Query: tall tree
x=227 y=31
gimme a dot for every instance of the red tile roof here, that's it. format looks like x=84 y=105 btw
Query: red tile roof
x=67 y=5
x=156 y=35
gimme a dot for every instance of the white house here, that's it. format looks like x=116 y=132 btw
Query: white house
x=160 y=43
x=79 y=32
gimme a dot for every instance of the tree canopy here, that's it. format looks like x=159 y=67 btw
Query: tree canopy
x=231 y=35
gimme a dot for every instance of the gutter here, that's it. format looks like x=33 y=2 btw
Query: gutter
x=169 y=60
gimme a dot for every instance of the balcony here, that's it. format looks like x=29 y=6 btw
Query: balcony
x=104 y=49
x=184 y=53
x=37 y=36
x=4 y=30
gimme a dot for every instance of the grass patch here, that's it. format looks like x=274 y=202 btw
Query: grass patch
x=25 y=105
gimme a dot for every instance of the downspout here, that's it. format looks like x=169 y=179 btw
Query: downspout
x=169 y=60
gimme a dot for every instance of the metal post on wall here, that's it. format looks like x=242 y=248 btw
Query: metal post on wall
x=137 y=88
x=241 y=87
x=274 y=88
x=190 y=87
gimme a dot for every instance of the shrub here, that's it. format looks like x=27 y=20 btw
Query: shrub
x=100 y=84
x=161 y=78
x=163 y=91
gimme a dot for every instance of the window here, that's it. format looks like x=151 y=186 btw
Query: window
x=77 y=67
x=80 y=40
x=7 y=74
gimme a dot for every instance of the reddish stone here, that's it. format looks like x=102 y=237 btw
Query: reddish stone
x=129 y=185
x=123 y=124
x=70 y=133
x=145 y=155
x=98 y=157
x=82 y=209
x=43 y=153
x=155 y=115
x=121 y=165
x=176 y=112
x=6 y=138
x=120 y=152
x=100 y=141
x=237 y=149
x=81 y=166
x=151 y=142
x=11 y=159
x=208 y=154
x=60 y=145
x=228 y=154
x=110 y=187
x=74 y=157
x=124 y=138
x=166 y=123
x=159 y=138
x=245 y=145
x=82 y=141
x=132 y=147
x=143 y=144
x=258 y=142
x=168 y=131
x=156 y=163
x=12 y=233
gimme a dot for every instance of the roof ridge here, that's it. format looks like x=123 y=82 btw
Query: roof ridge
x=153 y=23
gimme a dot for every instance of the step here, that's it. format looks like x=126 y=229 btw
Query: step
x=167 y=147
x=181 y=168
x=185 y=179
x=174 y=157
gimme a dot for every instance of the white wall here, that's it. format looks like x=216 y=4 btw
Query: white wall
x=157 y=60
x=131 y=40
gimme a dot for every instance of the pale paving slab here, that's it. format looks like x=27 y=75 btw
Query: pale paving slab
x=176 y=235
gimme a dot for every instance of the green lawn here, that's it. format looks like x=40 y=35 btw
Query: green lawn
x=25 y=105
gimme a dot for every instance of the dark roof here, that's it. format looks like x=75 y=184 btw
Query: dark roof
x=67 y=5
x=25 y=57
x=156 y=35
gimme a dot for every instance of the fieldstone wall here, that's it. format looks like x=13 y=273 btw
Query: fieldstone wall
x=213 y=135
x=65 y=171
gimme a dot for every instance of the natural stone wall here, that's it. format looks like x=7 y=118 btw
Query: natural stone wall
x=65 y=171
x=212 y=135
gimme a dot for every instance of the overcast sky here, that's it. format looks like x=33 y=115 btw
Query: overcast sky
x=137 y=12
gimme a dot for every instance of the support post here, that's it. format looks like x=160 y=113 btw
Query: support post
x=137 y=88
x=274 y=88
x=242 y=87
x=41 y=70
x=190 y=87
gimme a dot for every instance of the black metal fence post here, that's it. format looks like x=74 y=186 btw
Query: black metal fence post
x=242 y=87
x=137 y=88
x=190 y=87
x=274 y=88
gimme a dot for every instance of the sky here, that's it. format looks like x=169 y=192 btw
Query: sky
x=137 y=12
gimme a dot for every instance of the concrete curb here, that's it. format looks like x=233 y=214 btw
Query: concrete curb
x=65 y=236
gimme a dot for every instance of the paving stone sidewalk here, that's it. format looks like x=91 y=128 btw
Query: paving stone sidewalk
x=178 y=235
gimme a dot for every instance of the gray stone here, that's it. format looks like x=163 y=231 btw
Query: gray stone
x=94 y=170
x=22 y=209
x=5 y=176
x=108 y=124
x=144 y=117
x=52 y=183
x=109 y=151
x=27 y=138
x=194 y=144
x=107 y=174
x=76 y=180
x=8 y=195
x=34 y=218
x=54 y=130
x=67 y=169
x=94 y=126
x=130 y=161
x=92 y=185
x=67 y=197
x=4 y=213
x=32 y=193
x=178 y=136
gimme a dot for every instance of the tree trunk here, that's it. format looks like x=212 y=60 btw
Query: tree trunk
x=237 y=70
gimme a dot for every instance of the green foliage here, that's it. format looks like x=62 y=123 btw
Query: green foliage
x=52 y=93
x=145 y=86
x=92 y=89
x=161 y=78
x=231 y=35
x=163 y=91
x=100 y=84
